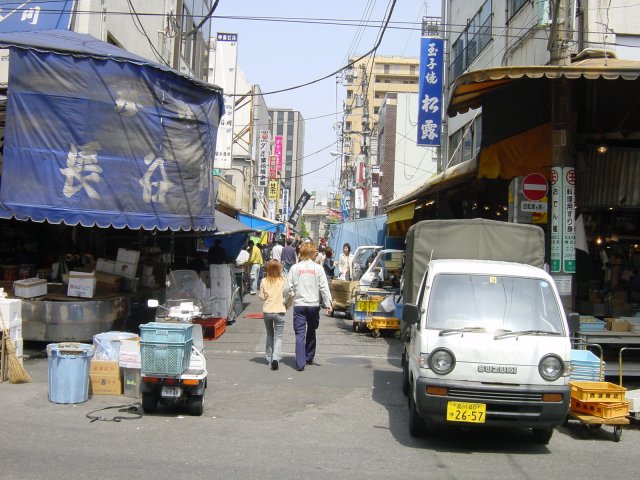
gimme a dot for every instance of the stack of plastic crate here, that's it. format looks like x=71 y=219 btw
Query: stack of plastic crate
x=600 y=399
x=165 y=348
x=586 y=366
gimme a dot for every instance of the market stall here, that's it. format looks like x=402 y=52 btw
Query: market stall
x=123 y=147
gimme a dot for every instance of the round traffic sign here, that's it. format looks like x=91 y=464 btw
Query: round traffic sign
x=534 y=187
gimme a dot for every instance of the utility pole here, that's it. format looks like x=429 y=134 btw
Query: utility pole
x=366 y=138
x=562 y=222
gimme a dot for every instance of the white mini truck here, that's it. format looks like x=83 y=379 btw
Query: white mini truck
x=486 y=343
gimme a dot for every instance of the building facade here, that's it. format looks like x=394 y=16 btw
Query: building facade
x=289 y=126
x=367 y=83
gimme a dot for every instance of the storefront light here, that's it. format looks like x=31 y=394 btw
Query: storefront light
x=601 y=149
x=599 y=241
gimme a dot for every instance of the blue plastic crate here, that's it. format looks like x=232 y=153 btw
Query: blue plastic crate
x=165 y=358
x=166 y=332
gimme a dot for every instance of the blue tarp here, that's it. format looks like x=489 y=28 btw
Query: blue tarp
x=261 y=224
x=95 y=135
x=364 y=231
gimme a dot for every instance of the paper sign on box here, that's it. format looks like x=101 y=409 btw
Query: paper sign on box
x=81 y=284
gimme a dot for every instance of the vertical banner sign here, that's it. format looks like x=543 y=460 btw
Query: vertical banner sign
x=277 y=150
x=557 y=188
x=285 y=203
x=569 y=230
x=273 y=190
x=297 y=210
x=273 y=167
x=359 y=199
x=225 y=77
x=263 y=158
x=430 y=96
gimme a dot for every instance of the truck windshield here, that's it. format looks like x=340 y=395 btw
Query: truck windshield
x=494 y=303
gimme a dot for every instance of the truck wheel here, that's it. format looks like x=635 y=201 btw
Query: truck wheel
x=417 y=427
x=195 y=404
x=150 y=402
x=375 y=333
x=542 y=435
x=405 y=377
x=348 y=316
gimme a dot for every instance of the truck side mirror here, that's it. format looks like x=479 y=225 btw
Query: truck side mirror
x=410 y=314
x=574 y=323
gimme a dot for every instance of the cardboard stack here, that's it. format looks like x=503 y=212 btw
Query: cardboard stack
x=81 y=284
x=222 y=281
x=105 y=377
x=130 y=362
x=11 y=310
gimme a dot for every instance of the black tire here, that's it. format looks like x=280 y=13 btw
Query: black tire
x=405 y=376
x=617 y=433
x=355 y=327
x=150 y=402
x=195 y=404
x=348 y=316
x=362 y=327
x=375 y=333
x=417 y=426
x=542 y=435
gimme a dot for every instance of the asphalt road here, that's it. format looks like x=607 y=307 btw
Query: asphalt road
x=343 y=418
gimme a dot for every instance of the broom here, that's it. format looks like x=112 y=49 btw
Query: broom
x=17 y=373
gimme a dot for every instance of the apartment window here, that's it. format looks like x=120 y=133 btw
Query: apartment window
x=516 y=5
x=471 y=41
x=348 y=126
x=387 y=68
x=376 y=110
x=349 y=93
x=413 y=70
x=187 y=26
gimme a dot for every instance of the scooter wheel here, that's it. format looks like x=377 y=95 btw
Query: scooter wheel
x=195 y=404
x=149 y=402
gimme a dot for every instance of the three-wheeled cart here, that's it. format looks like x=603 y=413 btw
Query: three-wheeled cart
x=374 y=310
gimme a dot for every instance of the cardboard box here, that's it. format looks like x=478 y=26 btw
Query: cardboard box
x=127 y=263
x=105 y=384
x=30 y=287
x=107 y=266
x=110 y=281
x=341 y=292
x=617 y=324
x=81 y=284
x=11 y=309
x=109 y=368
x=105 y=377
x=130 y=354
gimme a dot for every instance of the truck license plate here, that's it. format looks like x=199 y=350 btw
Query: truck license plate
x=171 y=392
x=466 y=412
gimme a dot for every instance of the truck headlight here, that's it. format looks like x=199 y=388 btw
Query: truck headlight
x=551 y=367
x=442 y=361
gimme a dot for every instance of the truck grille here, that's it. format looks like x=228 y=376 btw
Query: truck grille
x=493 y=395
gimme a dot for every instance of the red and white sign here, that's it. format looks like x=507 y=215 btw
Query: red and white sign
x=535 y=187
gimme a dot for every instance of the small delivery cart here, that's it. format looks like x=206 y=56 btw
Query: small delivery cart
x=374 y=310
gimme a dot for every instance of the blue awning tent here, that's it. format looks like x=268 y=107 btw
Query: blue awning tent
x=97 y=136
x=261 y=224
x=364 y=231
x=232 y=234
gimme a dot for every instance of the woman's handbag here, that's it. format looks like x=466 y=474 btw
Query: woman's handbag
x=288 y=302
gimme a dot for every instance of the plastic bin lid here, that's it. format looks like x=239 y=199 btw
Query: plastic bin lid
x=71 y=348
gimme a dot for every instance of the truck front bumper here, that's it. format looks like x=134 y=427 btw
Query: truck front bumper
x=506 y=405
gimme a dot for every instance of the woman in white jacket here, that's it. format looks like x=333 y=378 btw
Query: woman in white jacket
x=307 y=280
x=344 y=263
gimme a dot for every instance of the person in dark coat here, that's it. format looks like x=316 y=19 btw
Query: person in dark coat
x=217 y=253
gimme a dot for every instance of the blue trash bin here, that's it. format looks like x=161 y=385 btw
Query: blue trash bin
x=69 y=371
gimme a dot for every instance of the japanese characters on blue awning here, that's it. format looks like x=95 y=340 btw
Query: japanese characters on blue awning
x=105 y=142
x=430 y=91
x=23 y=16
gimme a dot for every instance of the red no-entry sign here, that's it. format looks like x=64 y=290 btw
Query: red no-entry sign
x=534 y=187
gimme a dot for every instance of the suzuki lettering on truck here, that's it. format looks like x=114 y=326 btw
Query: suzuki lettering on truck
x=486 y=344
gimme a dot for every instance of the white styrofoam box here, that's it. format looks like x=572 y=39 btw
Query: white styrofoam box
x=219 y=271
x=81 y=284
x=30 y=287
x=15 y=332
x=11 y=309
x=129 y=356
x=633 y=396
x=219 y=286
x=107 y=266
x=127 y=262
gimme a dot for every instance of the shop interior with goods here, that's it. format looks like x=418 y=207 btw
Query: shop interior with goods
x=86 y=285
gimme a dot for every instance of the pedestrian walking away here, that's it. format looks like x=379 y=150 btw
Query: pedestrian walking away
x=308 y=282
x=276 y=251
x=272 y=292
x=217 y=253
x=254 y=264
x=288 y=257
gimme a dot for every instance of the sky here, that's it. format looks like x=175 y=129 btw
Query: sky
x=304 y=40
